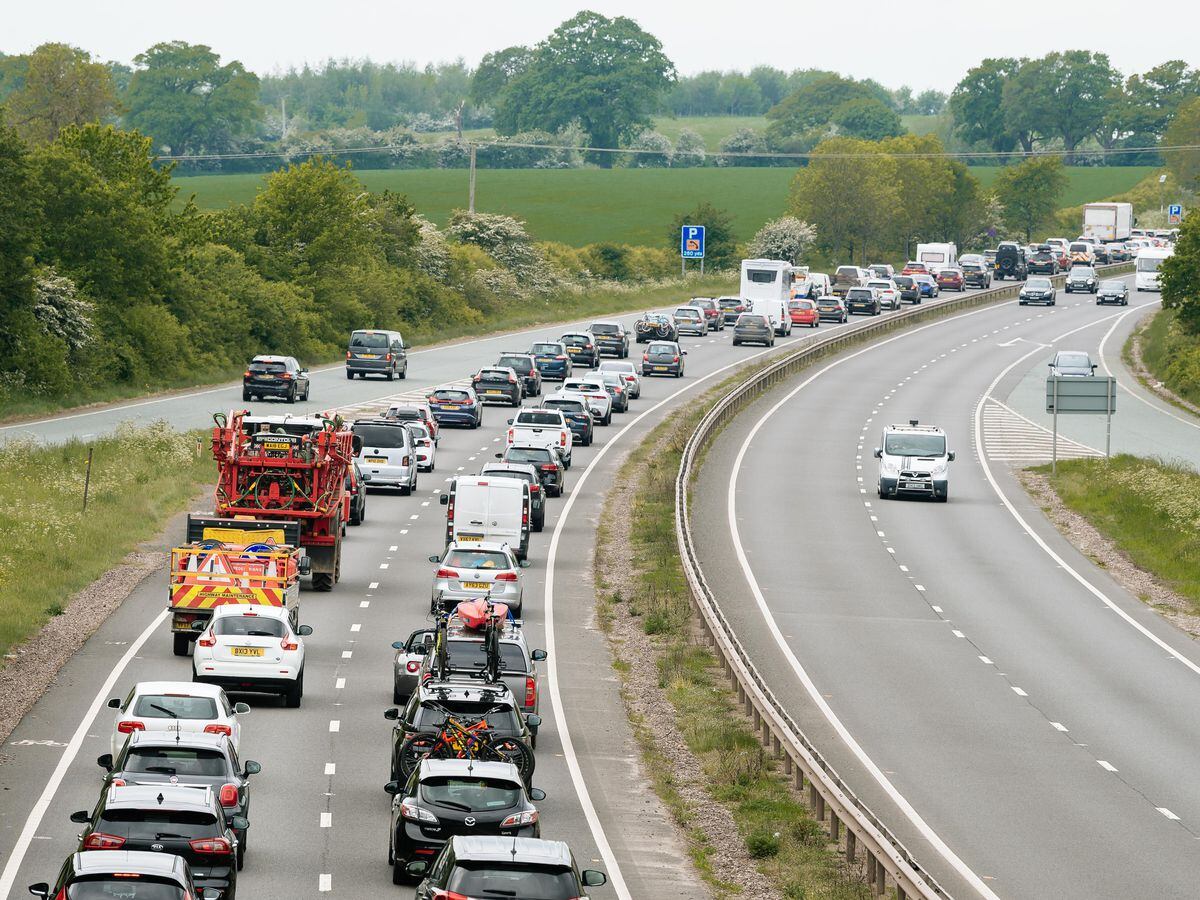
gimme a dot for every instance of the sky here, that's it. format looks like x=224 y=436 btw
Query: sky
x=927 y=44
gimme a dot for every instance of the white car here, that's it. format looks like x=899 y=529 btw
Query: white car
x=597 y=397
x=889 y=294
x=474 y=570
x=249 y=647
x=539 y=427
x=628 y=371
x=424 y=445
x=175 y=706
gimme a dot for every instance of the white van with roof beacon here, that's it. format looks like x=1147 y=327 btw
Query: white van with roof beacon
x=486 y=508
x=1145 y=267
x=767 y=285
x=913 y=460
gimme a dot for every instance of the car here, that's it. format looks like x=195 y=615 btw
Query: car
x=1010 y=261
x=468 y=571
x=731 y=308
x=593 y=390
x=1081 y=278
x=541 y=426
x=504 y=867
x=1119 y=252
x=416 y=412
x=804 y=312
x=628 y=372
x=546 y=460
x=753 y=328
x=197 y=760
x=407 y=663
x=862 y=300
x=908 y=289
x=847 y=277
x=448 y=796
x=950 y=279
x=913 y=267
x=690 y=320
x=1113 y=290
x=712 y=312
x=377 y=352
x=618 y=391
x=1063 y=258
x=525 y=365
x=883 y=271
x=889 y=293
x=975 y=274
x=527 y=473
x=665 y=358
x=926 y=285
x=126 y=874
x=581 y=346
x=989 y=260
x=251 y=647
x=356 y=487
x=656 y=327
x=552 y=358
x=831 y=307
x=493 y=383
x=456 y=406
x=578 y=415
x=386 y=453
x=1072 y=364
x=424 y=445
x=1043 y=262
x=914 y=460
x=175 y=706
x=611 y=338
x=1083 y=253
x=275 y=376
x=1037 y=290
x=171 y=820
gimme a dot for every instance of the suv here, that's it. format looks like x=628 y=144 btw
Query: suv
x=1081 y=278
x=611 y=337
x=124 y=873
x=496 y=383
x=1010 y=261
x=552 y=359
x=546 y=460
x=168 y=819
x=1044 y=262
x=731 y=308
x=377 y=353
x=581 y=347
x=913 y=459
x=976 y=275
x=577 y=413
x=526 y=368
x=908 y=288
x=275 y=376
x=508 y=867
x=862 y=300
x=712 y=312
x=387 y=453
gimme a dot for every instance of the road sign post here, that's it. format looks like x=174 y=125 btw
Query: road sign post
x=1092 y=396
x=691 y=246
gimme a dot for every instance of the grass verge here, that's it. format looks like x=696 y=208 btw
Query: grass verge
x=50 y=548
x=1148 y=509
x=1170 y=355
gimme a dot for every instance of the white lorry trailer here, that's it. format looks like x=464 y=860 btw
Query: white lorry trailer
x=1108 y=222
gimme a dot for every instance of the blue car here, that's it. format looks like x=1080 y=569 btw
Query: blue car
x=578 y=416
x=456 y=406
x=552 y=359
x=927 y=284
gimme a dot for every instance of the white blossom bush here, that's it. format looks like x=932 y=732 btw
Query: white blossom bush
x=506 y=241
x=60 y=310
x=786 y=238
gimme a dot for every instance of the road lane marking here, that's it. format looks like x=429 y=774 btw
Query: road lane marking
x=393 y=548
x=1106 y=765
x=383 y=565
x=330 y=768
x=957 y=633
x=339 y=684
x=325 y=882
x=1016 y=690
x=373 y=585
x=335 y=725
x=985 y=660
x=356 y=627
x=346 y=654
x=1059 y=726
x=364 y=604
x=326 y=820
x=1166 y=812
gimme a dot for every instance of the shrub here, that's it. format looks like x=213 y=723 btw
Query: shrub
x=762 y=844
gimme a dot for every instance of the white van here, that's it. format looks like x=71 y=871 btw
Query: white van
x=767 y=284
x=1146 y=266
x=486 y=508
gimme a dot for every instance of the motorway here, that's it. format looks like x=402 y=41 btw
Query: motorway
x=319 y=814
x=1024 y=725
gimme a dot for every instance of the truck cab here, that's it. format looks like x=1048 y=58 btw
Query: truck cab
x=914 y=461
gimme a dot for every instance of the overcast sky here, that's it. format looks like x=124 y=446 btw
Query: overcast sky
x=926 y=44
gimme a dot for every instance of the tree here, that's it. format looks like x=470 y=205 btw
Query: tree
x=188 y=102
x=656 y=150
x=848 y=192
x=496 y=70
x=607 y=74
x=1030 y=193
x=929 y=103
x=814 y=103
x=924 y=181
x=740 y=96
x=61 y=86
x=772 y=83
x=1153 y=97
x=1061 y=94
x=744 y=140
x=867 y=119
x=689 y=149
x=720 y=246
x=785 y=238
x=1184 y=131
x=1179 y=276
x=977 y=104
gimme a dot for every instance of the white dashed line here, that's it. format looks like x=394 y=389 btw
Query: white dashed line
x=373 y=585
x=340 y=684
x=383 y=565
x=330 y=768
x=904 y=568
x=1166 y=812
x=425 y=503
x=985 y=660
x=404 y=531
x=414 y=516
x=393 y=548
x=471 y=458
x=1106 y=765
x=326 y=820
x=347 y=654
x=335 y=725
x=1016 y=690
x=919 y=587
x=957 y=633
x=325 y=882
x=356 y=627
x=364 y=604
x=1059 y=726
x=890 y=549
x=880 y=533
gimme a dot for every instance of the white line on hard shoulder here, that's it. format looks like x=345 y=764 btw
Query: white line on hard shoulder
x=325 y=882
x=1106 y=765
x=936 y=609
x=335 y=725
x=957 y=633
x=985 y=660
x=1059 y=726
x=1016 y=690
x=330 y=768
x=1166 y=812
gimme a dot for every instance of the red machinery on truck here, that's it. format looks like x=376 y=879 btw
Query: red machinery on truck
x=288 y=468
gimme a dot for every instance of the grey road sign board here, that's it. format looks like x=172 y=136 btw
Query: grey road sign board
x=1096 y=395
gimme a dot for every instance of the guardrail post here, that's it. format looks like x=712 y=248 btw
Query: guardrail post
x=820 y=807
x=851 y=845
x=812 y=796
x=835 y=827
x=787 y=764
x=880 y=878
x=798 y=779
x=776 y=746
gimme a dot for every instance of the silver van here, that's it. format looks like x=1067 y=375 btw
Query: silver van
x=373 y=352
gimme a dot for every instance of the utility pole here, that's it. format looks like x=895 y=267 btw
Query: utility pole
x=471 y=193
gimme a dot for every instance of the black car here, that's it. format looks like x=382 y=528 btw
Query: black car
x=581 y=347
x=1044 y=262
x=731 y=308
x=168 y=819
x=656 y=327
x=547 y=462
x=663 y=358
x=356 y=487
x=190 y=758
x=124 y=873
x=1081 y=278
x=910 y=291
x=1113 y=291
x=579 y=418
x=494 y=384
x=611 y=338
x=862 y=301
x=445 y=797
x=1010 y=261
x=1037 y=290
x=617 y=390
x=526 y=368
x=504 y=867
x=976 y=275
x=275 y=376
x=525 y=472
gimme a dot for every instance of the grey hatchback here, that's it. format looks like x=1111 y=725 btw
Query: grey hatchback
x=751 y=328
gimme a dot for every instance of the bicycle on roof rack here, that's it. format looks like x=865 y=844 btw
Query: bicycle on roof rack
x=465 y=737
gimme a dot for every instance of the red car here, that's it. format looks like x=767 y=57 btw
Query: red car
x=804 y=312
x=950 y=280
x=915 y=268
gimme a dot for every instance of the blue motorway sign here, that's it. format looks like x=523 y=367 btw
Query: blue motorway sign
x=691 y=242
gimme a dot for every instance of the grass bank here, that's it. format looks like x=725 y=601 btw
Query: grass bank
x=505 y=316
x=1148 y=509
x=50 y=548
x=1171 y=355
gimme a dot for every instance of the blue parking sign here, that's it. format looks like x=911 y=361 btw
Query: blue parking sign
x=691 y=242
x=1175 y=214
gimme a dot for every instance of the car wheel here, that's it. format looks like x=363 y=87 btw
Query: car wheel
x=391 y=374
x=291 y=395
x=404 y=372
x=292 y=698
x=349 y=375
x=400 y=873
x=241 y=851
x=181 y=644
x=608 y=416
x=245 y=396
x=736 y=342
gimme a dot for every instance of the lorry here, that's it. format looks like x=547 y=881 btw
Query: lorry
x=937 y=256
x=767 y=285
x=275 y=468
x=229 y=560
x=1108 y=222
x=483 y=508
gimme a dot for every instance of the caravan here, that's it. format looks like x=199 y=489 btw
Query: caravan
x=767 y=284
x=937 y=256
x=1146 y=267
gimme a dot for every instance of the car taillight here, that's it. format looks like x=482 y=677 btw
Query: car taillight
x=246 y=374
x=645 y=357
x=548 y=467
x=506 y=576
x=446 y=573
x=118 y=782
x=439 y=894
x=630 y=378
x=530 y=691
x=560 y=356
x=675 y=359
x=229 y=795
x=387 y=357
x=412 y=666
x=217 y=846
x=510 y=435
x=217 y=728
x=285 y=644
x=349 y=355
x=562 y=439
x=129 y=727
x=518 y=820
x=208 y=640
x=286 y=376
x=618 y=390
x=587 y=346
x=98 y=840
x=512 y=379
x=535 y=489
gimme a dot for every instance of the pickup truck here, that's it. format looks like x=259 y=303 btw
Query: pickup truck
x=541 y=428
x=847 y=277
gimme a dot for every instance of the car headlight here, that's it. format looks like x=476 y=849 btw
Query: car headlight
x=939 y=469
x=888 y=467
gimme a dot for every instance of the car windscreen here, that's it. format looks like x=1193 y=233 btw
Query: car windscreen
x=903 y=281
x=522 y=364
x=537 y=418
x=1115 y=287
x=847 y=270
x=729 y=302
x=1081 y=248
x=163 y=706
x=407 y=413
x=800 y=304
x=972 y=267
x=263 y=368
x=567 y=406
x=1039 y=284
x=537 y=455
x=176 y=761
x=1148 y=263
x=419 y=432
x=249 y=626
x=493 y=375
x=127 y=886
x=687 y=312
x=386 y=436
x=155 y=824
x=451 y=396
x=576 y=340
x=613 y=378
x=470 y=793
x=524 y=880
x=547 y=349
x=915 y=445
x=368 y=340
x=504 y=720
x=471 y=654
x=1073 y=361
x=605 y=328
x=477 y=559
x=754 y=321
x=661 y=350
x=859 y=295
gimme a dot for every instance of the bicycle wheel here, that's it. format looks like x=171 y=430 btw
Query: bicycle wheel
x=415 y=749
x=516 y=752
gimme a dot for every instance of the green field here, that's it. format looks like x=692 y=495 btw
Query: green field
x=633 y=206
x=713 y=129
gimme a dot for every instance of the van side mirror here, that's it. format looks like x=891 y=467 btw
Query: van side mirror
x=114 y=703
x=594 y=878
x=356 y=443
x=950 y=456
x=435 y=559
x=397 y=645
x=538 y=655
x=878 y=454
x=200 y=625
x=510 y=421
x=304 y=630
x=304 y=565
x=537 y=795
x=392 y=787
x=241 y=709
x=252 y=767
x=417 y=868
x=499 y=456
x=105 y=761
x=444 y=499
x=241 y=823
x=524 y=563
x=534 y=721
x=210 y=894
x=41 y=889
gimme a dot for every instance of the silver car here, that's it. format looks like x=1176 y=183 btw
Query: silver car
x=690 y=320
x=387 y=453
x=518 y=664
x=628 y=371
x=471 y=571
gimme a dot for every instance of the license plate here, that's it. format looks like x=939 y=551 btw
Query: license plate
x=476 y=585
x=368 y=356
x=660 y=368
x=493 y=391
x=377 y=460
x=468 y=537
x=448 y=408
x=246 y=651
x=572 y=349
x=276 y=445
x=265 y=377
